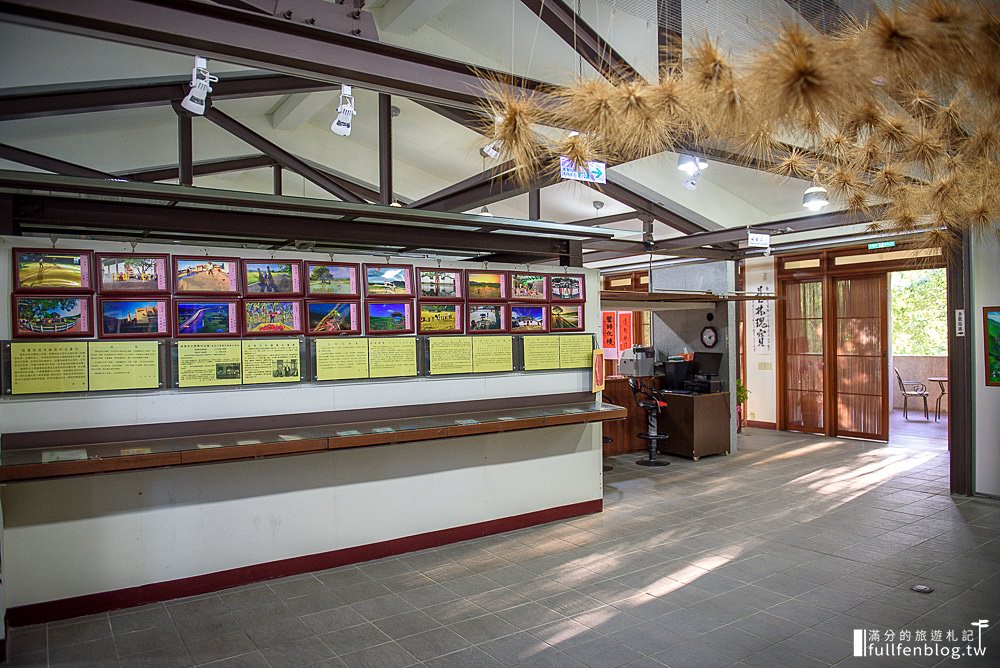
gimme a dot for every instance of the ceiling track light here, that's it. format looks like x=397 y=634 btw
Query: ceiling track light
x=345 y=113
x=691 y=182
x=491 y=150
x=201 y=85
x=815 y=198
x=485 y=211
x=691 y=164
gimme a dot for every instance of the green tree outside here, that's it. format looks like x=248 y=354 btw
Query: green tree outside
x=919 y=312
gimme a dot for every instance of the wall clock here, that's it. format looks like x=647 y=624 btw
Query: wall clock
x=709 y=337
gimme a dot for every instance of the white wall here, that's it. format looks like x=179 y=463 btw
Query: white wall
x=986 y=400
x=762 y=379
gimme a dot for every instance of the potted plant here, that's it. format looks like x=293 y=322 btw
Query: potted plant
x=742 y=393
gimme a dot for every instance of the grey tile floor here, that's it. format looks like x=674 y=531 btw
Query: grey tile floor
x=771 y=557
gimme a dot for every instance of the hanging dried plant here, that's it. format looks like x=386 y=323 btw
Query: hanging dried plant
x=893 y=133
x=519 y=141
x=864 y=119
x=949 y=243
x=794 y=164
x=894 y=44
x=983 y=144
x=888 y=179
x=588 y=107
x=759 y=145
x=919 y=101
x=837 y=145
x=946 y=28
x=868 y=156
x=578 y=148
x=640 y=130
x=925 y=148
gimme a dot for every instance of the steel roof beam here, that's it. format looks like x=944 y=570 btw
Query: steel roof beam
x=50 y=164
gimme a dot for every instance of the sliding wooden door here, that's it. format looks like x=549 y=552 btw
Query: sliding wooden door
x=803 y=370
x=860 y=350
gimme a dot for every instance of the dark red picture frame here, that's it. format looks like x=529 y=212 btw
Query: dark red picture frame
x=459 y=317
x=578 y=307
x=168 y=275
x=504 y=318
x=332 y=296
x=459 y=284
x=295 y=277
x=167 y=311
x=236 y=316
x=554 y=278
x=544 y=308
x=86 y=272
x=298 y=313
x=513 y=296
x=236 y=282
x=86 y=315
x=408 y=273
x=355 y=315
x=504 y=287
x=408 y=317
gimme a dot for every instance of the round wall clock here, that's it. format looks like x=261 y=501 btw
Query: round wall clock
x=709 y=337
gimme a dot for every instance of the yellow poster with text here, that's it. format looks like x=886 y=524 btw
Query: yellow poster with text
x=451 y=354
x=491 y=354
x=341 y=359
x=541 y=352
x=209 y=363
x=50 y=366
x=576 y=351
x=124 y=365
x=392 y=356
x=270 y=361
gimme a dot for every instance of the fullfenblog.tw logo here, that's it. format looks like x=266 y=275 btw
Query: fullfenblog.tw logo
x=950 y=644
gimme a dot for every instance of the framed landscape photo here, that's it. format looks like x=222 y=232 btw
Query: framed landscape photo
x=267 y=317
x=206 y=276
x=440 y=284
x=53 y=270
x=338 y=280
x=567 y=288
x=440 y=318
x=389 y=317
x=486 y=286
x=566 y=318
x=486 y=319
x=528 y=318
x=136 y=317
x=207 y=317
x=388 y=280
x=51 y=316
x=143 y=273
x=264 y=278
x=991 y=338
x=529 y=287
x=329 y=318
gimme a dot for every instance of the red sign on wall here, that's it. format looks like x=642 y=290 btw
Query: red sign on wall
x=609 y=334
x=624 y=330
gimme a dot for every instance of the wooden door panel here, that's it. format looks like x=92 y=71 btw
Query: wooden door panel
x=861 y=385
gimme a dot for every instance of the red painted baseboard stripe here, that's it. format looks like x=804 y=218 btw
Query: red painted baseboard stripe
x=761 y=425
x=48 y=611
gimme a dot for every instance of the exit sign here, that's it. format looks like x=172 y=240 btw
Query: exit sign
x=881 y=244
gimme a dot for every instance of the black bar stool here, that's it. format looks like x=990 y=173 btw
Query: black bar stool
x=652 y=404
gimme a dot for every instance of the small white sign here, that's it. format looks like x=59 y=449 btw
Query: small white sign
x=758 y=240
x=593 y=171
x=960 y=322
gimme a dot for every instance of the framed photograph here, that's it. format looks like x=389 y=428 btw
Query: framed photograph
x=206 y=317
x=440 y=318
x=206 y=275
x=528 y=318
x=136 y=317
x=385 y=317
x=529 y=287
x=51 y=316
x=991 y=338
x=267 y=317
x=486 y=286
x=53 y=270
x=566 y=318
x=263 y=278
x=567 y=288
x=487 y=319
x=440 y=284
x=325 y=318
x=143 y=273
x=388 y=280
x=338 y=280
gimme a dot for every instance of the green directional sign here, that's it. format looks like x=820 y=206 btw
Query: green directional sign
x=875 y=245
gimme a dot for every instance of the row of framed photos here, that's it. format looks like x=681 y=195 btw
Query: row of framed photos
x=151 y=316
x=73 y=272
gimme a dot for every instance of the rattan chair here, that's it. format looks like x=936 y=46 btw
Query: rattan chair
x=916 y=389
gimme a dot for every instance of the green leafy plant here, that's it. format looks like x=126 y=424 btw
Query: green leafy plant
x=742 y=393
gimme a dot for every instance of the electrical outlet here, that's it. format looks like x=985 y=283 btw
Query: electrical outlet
x=764 y=366
x=753 y=415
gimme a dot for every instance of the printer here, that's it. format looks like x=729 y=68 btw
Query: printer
x=637 y=361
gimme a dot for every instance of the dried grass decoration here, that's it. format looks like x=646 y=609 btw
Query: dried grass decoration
x=899 y=114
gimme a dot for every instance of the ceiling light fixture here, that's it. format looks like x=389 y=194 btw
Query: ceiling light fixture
x=485 y=211
x=691 y=182
x=201 y=86
x=691 y=164
x=814 y=198
x=491 y=150
x=345 y=112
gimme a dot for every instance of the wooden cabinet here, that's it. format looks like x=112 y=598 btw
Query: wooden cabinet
x=698 y=425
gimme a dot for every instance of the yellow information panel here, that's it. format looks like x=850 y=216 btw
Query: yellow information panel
x=576 y=351
x=392 y=356
x=209 y=363
x=49 y=366
x=492 y=353
x=341 y=359
x=451 y=354
x=270 y=361
x=541 y=352
x=124 y=365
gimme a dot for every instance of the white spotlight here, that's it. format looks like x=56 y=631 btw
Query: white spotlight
x=691 y=164
x=691 y=182
x=201 y=86
x=345 y=112
x=491 y=150
x=485 y=211
x=815 y=198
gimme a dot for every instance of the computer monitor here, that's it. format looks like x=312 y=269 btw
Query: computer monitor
x=707 y=364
